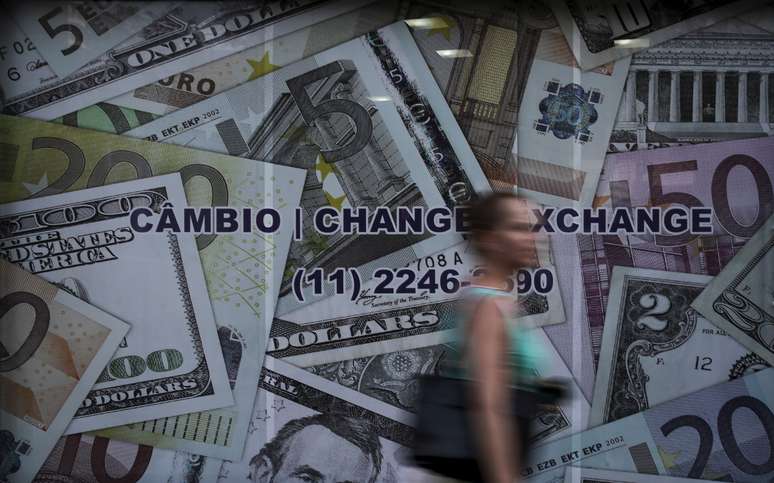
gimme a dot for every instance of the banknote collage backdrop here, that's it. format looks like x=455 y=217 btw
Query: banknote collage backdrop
x=174 y=356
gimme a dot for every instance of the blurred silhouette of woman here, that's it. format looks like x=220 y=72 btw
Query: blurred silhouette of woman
x=497 y=354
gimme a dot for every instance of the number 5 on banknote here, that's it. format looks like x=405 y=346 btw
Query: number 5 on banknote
x=335 y=72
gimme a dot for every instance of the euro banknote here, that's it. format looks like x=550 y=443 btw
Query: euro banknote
x=70 y=34
x=656 y=347
x=80 y=457
x=241 y=269
x=735 y=178
x=722 y=432
x=601 y=32
x=188 y=36
x=54 y=347
x=81 y=240
x=739 y=299
x=537 y=123
x=368 y=123
x=181 y=89
x=578 y=474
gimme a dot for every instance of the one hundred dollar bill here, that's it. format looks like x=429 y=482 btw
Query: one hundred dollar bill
x=734 y=178
x=656 y=347
x=578 y=474
x=722 y=432
x=307 y=428
x=83 y=241
x=54 y=347
x=70 y=34
x=392 y=378
x=81 y=457
x=601 y=32
x=368 y=123
x=242 y=270
x=740 y=299
x=381 y=319
x=190 y=35
x=511 y=80
x=181 y=89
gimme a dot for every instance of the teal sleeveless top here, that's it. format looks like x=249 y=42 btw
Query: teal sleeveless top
x=524 y=353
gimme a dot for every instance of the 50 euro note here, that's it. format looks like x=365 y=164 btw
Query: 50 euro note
x=735 y=178
x=53 y=347
x=537 y=124
x=369 y=125
x=187 y=36
x=740 y=299
x=241 y=270
x=722 y=432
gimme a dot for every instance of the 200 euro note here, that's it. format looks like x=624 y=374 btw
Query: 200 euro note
x=242 y=270
x=367 y=122
x=53 y=347
x=170 y=362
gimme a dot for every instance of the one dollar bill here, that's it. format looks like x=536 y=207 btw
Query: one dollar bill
x=740 y=299
x=53 y=347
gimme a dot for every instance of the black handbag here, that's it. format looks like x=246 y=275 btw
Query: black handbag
x=444 y=441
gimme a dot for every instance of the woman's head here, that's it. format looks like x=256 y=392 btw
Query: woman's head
x=501 y=225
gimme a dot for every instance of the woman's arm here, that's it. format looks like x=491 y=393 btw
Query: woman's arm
x=494 y=426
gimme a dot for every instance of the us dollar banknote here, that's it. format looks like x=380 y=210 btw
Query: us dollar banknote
x=739 y=299
x=81 y=457
x=722 y=432
x=295 y=411
x=393 y=379
x=54 y=347
x=240 y=268
x=513 y=83
x=656 y=347
x=379 y=318
x=578 y=474
x=186 y=37
x=735 y=178
x=70 y=34
x=605 y=31
x=686 y=105
x=81 y=240
x=367 y=122
x=181 y=89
